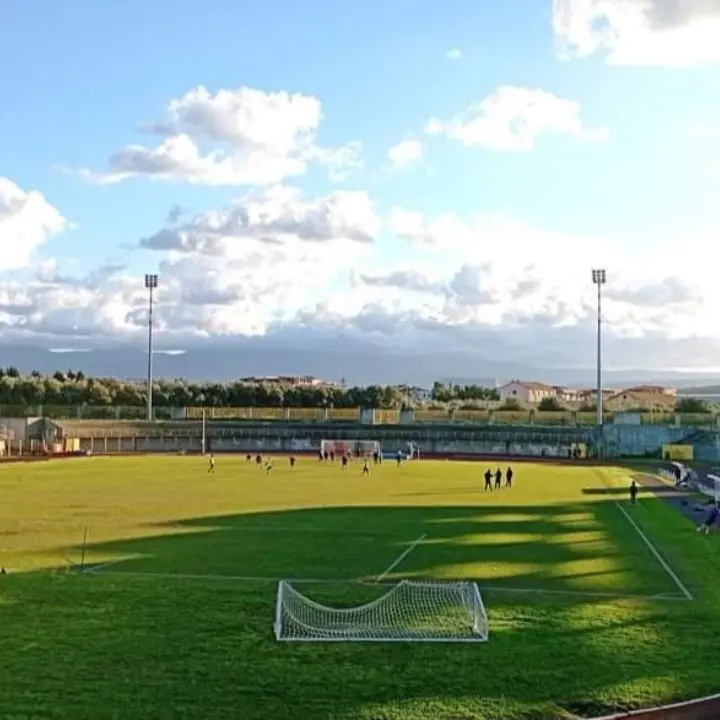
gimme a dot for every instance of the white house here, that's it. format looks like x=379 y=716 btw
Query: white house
x=523 y=392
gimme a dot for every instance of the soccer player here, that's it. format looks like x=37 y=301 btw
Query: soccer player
x=707 y=526
x=344 y=461
x=211 y=464
x=258 y=461
x=508 y=477
x=498 y=479
x=320 y=455
x=633 y=492
x=292 y=461
x=332 y=456
x=248 y=458
x=366 y=467
x=399 y=458
x=488 y=480
x=268 y=466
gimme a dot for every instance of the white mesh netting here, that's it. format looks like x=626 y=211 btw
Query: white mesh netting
x=409 y=612
x=352 y=447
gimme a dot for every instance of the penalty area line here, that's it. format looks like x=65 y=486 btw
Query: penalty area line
x=399 y=558
x=673 y=575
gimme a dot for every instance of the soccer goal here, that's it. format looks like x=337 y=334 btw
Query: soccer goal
x=356 y=448
x=411 y=611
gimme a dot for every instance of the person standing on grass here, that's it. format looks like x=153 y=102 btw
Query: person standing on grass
x=498 y=479
x=366 y=467
x=211 y=464
x=707 y=526
x=488 y=480
x=508 y=477
x=344 y=461
x=633 y=492
x=292 y=461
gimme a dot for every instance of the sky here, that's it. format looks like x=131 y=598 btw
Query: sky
x=392 y=179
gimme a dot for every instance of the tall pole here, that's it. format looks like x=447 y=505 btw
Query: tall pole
x=599 y=278
x=151 y=283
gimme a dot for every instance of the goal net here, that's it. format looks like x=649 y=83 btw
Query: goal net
x=411 y=611
x=356 y=448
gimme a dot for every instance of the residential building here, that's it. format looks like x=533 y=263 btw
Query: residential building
x=635 y=398
x=526 y=393
x=288 y=381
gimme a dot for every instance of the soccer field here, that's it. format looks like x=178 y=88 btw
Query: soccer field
x=594 y=604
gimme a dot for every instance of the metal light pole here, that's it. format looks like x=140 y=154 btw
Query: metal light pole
x=599 y=278
x=151 y=283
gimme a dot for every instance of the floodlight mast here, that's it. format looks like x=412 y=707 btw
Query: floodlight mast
x=599 y=278
x=151 y=283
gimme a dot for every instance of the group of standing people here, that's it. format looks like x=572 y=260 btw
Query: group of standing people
x=498 y=475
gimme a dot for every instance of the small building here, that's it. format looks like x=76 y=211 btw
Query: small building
x=528 y=393
x=288 y=381
x=634 y=398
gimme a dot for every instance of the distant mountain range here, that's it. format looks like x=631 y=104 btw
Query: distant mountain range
x=358 y=367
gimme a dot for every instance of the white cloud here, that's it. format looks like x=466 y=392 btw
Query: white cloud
x=27 y=220
x=512 y=119
x=454 y=54
x=233 y=137
x=277 y=217
x=405 y=153
x=680 y=33
x=309 y=275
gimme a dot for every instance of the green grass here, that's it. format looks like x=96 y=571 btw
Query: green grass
x=584 y=620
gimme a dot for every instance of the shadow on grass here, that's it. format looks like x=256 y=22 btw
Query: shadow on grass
x=139 y=645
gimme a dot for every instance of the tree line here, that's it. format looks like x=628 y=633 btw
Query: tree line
x=75 y=388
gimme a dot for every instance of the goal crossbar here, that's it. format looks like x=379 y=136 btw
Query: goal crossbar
x=411 y=611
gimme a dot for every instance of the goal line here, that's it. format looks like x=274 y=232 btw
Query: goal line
x=486 y=587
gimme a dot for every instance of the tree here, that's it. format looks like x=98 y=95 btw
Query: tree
x=691 y=405
x=550 y=404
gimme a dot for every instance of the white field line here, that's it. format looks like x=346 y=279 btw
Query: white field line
x=581 y=593
x=369 y=582
x=229 y=578
x=673 y=575
x=107 y=563
x=400 y=558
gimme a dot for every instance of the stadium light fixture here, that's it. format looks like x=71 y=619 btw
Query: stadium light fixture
x=599 y=278
x=151 y=283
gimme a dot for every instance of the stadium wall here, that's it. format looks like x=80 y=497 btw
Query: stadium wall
x=443 y=440
x=614 y=441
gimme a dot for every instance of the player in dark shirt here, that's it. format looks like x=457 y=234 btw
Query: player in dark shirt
x=366 y=467
x=248 y=458
x=707 y=526
x=508 y=477
x=258 y=461
x=633 y=492
x=498 y=479
x=344 y=461
x=488 y=480
x=292 y=461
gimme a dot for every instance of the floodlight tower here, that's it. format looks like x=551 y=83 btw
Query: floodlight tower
x=599 y=278
x=151 y=283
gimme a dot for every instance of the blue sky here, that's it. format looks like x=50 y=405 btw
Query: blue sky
x=84 y=76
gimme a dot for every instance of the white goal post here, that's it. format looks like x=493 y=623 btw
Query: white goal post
x=356 y=448
x=411 y=611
